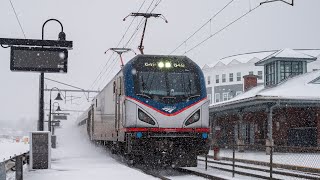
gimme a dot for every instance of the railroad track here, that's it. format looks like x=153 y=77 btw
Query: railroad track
x=171 y=173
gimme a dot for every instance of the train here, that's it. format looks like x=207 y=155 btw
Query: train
x=155 y=109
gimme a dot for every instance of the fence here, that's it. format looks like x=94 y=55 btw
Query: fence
x=267 y=162
x=14 y=164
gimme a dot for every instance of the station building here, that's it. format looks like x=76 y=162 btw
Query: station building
x=224 y=78
x=284 y=110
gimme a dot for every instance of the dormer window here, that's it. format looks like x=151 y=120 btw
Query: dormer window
x=270 y=73
x=290 y=68
x=283 y=64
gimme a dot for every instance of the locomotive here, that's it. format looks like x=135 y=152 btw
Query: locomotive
x=155 y=109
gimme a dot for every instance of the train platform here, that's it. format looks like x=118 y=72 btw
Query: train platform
x=77 y=158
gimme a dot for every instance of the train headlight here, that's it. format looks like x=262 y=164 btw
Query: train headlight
x=145 y=118
x=194 y=118
x=161 y=64
x=168 y=65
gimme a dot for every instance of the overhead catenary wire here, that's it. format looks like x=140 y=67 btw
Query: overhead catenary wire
x=131 y=38
x=68 y=85
x=140 y=24
x=225 y=27
x=17 y=19
x=123 y=36
x=209 y=21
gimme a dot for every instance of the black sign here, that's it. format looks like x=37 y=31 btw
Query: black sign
x=39 y=59
x=56 y=124
x=59 y=117
x=40 y=151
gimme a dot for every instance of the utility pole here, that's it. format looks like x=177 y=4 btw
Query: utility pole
x=120 y=51
x=146 y=16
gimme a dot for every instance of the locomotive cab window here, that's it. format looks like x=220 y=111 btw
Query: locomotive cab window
x=167 y=82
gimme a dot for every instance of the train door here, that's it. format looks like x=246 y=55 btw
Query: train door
x=118 y=107
x=90 y=124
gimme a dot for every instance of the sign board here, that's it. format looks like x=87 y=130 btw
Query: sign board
x=59 y=117
x=39 y=59
x=40 y=150
x=55 y=123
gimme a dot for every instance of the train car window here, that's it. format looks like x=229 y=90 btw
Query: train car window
x=119 y=87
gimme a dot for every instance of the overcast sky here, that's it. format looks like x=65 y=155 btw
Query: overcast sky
x=96 y=25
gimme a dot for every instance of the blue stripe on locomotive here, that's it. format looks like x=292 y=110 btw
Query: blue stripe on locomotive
x=129 y=90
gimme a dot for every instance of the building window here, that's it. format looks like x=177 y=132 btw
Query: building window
x=209 y=97
x=250 y=72
x=270 y=73
x=225 y=96
x=238 y=76
x=290 y=68
x=223 y=78
x=231 y=77
x=217 y=97
x=208 y=79
x=238 y=93
x=217 y=78
x=259 y=74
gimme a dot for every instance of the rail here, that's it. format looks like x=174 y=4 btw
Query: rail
x=15 y=164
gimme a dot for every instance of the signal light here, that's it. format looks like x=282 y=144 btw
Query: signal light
x=204 y=135
x=139 y=135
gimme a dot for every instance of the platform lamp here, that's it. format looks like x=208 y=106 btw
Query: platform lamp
x=57 y=110
x=58 y=98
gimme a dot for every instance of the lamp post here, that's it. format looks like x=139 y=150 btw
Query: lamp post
x=57 y=98
x=58 y=109
x=62 y=37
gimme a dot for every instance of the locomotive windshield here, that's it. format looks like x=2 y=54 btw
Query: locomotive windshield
x=167 y=82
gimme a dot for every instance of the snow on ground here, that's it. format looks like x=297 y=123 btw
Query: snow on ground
x=76 y=158
x=8 y=149
x=8 y=145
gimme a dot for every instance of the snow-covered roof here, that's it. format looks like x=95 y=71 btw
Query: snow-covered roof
x=304 y=87
x=287 y=54
x=254 y=57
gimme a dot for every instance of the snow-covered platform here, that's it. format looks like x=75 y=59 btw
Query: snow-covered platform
x=10 y=148
x=76 y=158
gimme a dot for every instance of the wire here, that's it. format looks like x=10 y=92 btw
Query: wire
x=18 y=19
x=101 y=72
x=131 y=38
x=138 y=27
x=67 y=85
x=112 y=63
x=209 y=21
x=225 y=27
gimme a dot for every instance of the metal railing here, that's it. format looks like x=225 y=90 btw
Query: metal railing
x=267 y=162
x=15 y=164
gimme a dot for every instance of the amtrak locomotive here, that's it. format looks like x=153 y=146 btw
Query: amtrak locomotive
x=154 y=110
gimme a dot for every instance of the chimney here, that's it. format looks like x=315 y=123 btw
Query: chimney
x=249 y=82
